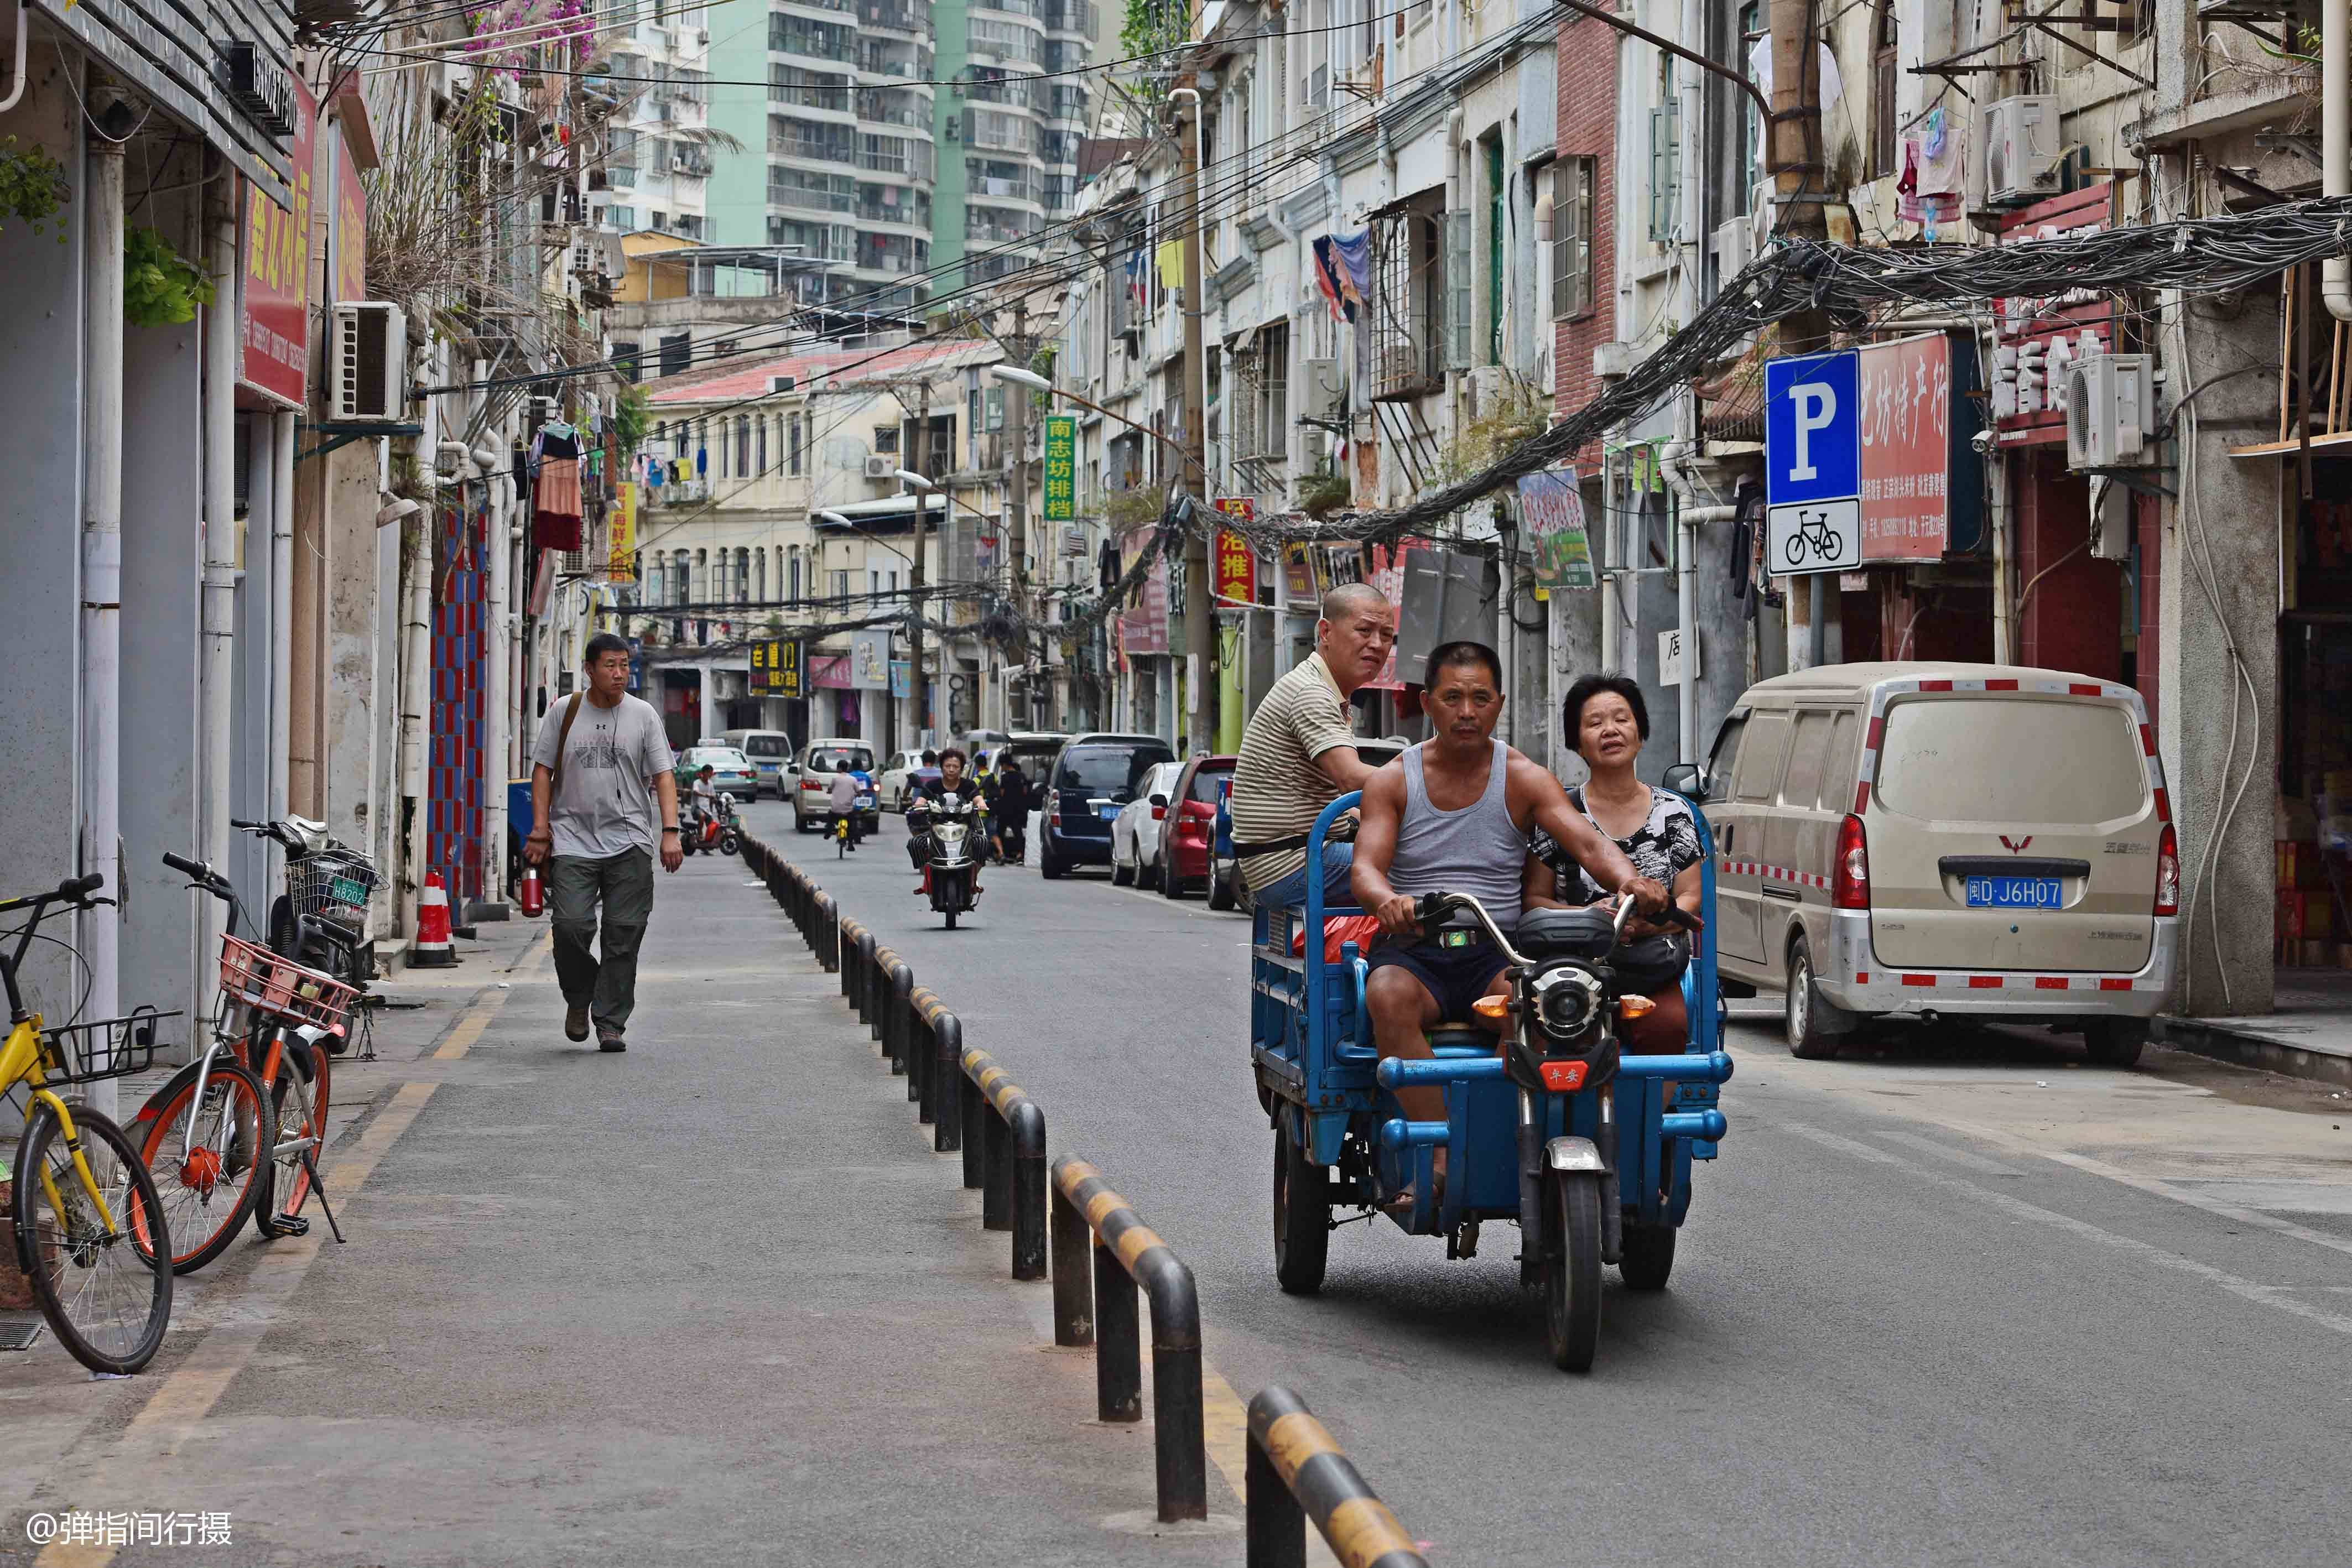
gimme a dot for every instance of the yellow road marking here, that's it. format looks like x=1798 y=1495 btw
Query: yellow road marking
x=175 y=1411
x=1224 y=1430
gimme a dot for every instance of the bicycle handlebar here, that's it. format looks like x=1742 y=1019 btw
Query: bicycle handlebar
x=197 y=869
x=248 y=827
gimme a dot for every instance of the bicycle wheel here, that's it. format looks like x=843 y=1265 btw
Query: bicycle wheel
x=1795 y=550
x=209 y=1182
x=298 y=1099
x=106 y=1290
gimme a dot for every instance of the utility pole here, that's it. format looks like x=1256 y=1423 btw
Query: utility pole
x=1199 y=608
x=1016 y=507
x=1794 y=138
x=918 y=686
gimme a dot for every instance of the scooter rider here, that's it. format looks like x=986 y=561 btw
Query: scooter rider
x=950 y=782
x=704 y=796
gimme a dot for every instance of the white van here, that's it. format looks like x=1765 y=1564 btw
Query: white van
x=771 y=751
x=1931 y=840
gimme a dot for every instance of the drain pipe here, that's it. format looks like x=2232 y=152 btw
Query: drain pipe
x=23 y=44
x=1674 y=463
x=99 y=930
x=218 y=672
x=2336 y=153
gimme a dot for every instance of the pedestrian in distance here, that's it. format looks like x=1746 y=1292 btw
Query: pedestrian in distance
x=601 y=780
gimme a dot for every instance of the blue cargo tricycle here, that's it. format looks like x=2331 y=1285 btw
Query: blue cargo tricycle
x=1588 y=1149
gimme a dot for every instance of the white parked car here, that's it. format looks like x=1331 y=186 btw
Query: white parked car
x=901 y=777
x=1135 y=831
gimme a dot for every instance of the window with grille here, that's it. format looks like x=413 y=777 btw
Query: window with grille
x=1665 y=157
x=743 y=444
x=743 y=575
x=792 y=447
x=1572 y=236
x=1885 y=154
x=760 y=444
x=1408 y=305
x=885 y=439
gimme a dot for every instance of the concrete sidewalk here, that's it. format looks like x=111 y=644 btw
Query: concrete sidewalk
x=712 y=1300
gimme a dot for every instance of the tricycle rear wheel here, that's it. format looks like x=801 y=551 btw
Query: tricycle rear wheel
x=1572 y=1270
x=1648 y=1257
x=1302 y=1214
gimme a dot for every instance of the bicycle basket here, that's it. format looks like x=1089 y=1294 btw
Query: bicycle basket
x=105 y=1048
x=284 y=989
x=337 y=882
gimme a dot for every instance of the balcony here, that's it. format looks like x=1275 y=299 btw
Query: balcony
x=1070 y=16
x=898 y=15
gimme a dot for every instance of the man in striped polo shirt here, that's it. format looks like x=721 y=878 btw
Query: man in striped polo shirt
x=1298 y=754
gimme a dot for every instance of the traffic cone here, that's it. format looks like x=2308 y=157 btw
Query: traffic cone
x=432 y=949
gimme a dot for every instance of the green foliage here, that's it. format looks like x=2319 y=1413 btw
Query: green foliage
x=32 y=186
x=1124 y=509
x=1152 y=27
x=1320 y=494
x=632 y=417
x=160 y=286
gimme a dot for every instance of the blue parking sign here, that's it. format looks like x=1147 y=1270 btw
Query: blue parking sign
x=1813 y=428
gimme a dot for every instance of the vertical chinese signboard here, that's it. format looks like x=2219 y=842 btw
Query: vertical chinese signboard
x=276 y=293
x=1236 y=563
x=1905 y=389
x=1061 y=468
x=1551 y=515
x=347 y=278
x=622 y=543
x=1143 y=628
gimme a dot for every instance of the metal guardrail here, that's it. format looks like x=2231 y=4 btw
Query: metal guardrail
x=1294 y=1473
x=1102 y=1253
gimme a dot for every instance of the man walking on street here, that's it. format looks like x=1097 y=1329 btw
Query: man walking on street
x=601 y=769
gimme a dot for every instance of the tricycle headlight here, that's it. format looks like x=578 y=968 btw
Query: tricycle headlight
x=1565 y=1001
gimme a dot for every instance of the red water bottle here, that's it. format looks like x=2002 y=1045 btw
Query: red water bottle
x=533 y=903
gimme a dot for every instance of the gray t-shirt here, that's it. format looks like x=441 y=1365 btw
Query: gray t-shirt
x=611 y=760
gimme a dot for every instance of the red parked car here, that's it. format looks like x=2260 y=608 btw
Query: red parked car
x=1192 y=824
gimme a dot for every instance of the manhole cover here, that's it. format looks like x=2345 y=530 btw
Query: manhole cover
x=19 y=1330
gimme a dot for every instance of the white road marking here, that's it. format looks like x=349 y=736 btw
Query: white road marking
x=2267 y=1295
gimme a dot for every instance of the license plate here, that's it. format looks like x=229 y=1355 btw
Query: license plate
x=343 y=890
x=1108 y=812
x=2015 y=893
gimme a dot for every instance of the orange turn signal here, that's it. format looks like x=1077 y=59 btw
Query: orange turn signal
x=1491 y=1007
x=1635 y=1006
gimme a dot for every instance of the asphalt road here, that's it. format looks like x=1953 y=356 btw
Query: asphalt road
x=1963 y=1301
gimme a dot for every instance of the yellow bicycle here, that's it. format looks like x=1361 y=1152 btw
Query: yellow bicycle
x=88 y=1227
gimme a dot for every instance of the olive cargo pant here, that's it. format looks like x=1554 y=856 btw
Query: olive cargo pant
x=623 y=885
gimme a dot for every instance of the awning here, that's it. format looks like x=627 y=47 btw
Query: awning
x=889 y=506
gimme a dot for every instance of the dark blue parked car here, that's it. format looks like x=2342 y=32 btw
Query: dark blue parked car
x=1092 y=777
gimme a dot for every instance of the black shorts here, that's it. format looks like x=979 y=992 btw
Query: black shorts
x=1456 y=976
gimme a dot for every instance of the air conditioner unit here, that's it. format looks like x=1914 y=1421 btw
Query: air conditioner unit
x=367 y=370
x=881 y=467
x=702 y=38
x=1323 y=387
x=2110 y=408
x=1734 y=248
x=2022 y=150
x=1760 y=212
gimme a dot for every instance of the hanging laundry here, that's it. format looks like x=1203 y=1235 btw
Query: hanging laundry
x=1135 y=276
x=1170 y=256
x=1355 y=254
x=555 y=487
x=1331 y=278
x=1107 y=567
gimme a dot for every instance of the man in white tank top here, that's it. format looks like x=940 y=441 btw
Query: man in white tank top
x=1452 y=815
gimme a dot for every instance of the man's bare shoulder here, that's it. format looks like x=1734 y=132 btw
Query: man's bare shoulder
x=1387 y=782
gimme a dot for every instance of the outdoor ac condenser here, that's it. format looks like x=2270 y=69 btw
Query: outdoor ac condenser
x=881 y=467
x=368 y=365
x=2022 y=150
x=2109 y=404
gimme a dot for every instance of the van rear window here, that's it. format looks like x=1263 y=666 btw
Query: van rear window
x=2011 y=759
x=767 y=745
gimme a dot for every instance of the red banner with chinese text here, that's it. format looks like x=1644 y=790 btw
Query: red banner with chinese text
x=277 y=294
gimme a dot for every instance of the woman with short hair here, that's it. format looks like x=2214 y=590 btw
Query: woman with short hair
x=1606 y=721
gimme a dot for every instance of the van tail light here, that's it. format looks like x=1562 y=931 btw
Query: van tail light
x=1849 y=879
x=1158 y=813
x=2168 y=872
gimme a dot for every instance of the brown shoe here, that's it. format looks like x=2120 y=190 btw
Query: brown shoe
x=610 y=1040
x=575 y=1021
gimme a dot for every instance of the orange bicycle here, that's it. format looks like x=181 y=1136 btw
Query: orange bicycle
x=236 y=1131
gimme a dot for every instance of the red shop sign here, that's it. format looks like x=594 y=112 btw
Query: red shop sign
x=277 y=292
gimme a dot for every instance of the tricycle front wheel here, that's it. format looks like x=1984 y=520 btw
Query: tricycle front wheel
x=1302 y=1214
x=1648 y=1257
x=1573 y=1269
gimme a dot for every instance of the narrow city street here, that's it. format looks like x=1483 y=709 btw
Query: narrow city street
x=1965 y=1299
x=710 y=1301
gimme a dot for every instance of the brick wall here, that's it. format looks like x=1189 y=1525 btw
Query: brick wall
x=1587 y=127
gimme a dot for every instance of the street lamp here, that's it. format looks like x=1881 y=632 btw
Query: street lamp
x=1036 y=382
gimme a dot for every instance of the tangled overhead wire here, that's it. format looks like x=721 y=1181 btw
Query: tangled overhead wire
x=2190 y=255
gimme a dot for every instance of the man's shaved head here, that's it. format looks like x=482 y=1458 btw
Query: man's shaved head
x=1353 y=599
